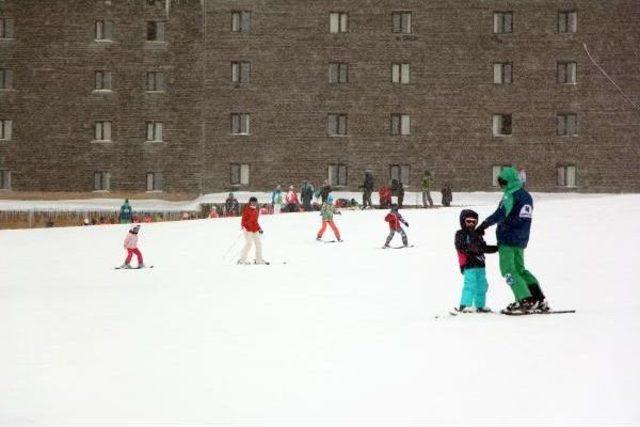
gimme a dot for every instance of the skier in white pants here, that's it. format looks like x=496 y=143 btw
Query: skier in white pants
x=252 y=232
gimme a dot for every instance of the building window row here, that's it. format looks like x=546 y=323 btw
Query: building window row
x=401 y=22
x=337 y=176
x=337 y=125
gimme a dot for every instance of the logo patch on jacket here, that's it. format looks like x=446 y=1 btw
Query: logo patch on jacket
x=526 y=211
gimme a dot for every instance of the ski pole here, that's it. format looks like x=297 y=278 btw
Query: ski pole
x=233 y=244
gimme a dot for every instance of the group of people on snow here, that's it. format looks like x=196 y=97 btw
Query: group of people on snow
x=513 y=219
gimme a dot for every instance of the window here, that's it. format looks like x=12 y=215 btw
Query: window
x=502 y=73
x=6 y=28
x=239 y=174
x=155 y=31
x=496 y=173
x=502 y=22
x=501 y=124
x=103 y=80
x=337 y=124
x=400 y=124
x=338 y=72
x=400 y=73
x=154 y=131
x=5 y=180
x=101 y=181
x=567 y=21
x=155 y=81
x=102 y=131
x=401 y=22
x=6 y=79
x=567 y=124
x=104 y=30
x=155 y=181
x=567 y=176
x=6 y=130
x=567 y=72
x=240 y=72
x=241 y=21
x=240 y=124
x=337 y=175
x=400 y=172
x=338 y=22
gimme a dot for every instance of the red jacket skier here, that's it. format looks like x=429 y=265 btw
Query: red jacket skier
x=395 y=221
x=252 y=232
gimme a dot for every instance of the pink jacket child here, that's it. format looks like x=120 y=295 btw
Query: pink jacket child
x=131 y=245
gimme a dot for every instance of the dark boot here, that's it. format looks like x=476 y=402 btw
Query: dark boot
x=535 y=291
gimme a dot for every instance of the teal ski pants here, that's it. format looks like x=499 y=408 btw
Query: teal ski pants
x=474 y=288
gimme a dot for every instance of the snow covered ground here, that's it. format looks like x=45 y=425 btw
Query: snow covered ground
x=340 y=335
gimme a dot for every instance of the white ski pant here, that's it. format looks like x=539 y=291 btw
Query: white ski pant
x=250 y=239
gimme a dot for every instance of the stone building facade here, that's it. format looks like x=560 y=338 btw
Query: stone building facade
x=195 y=96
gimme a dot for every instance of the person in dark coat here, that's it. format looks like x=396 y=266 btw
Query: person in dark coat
x=447 y=195
x=306 y=194
x=126 y=212
x=471 y=248
x=513 y=217
x=325 y=191
x=231 y=206
x=397 y=190
x=367 y=187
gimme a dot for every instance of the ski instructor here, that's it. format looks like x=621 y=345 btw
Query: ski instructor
x=513 y=217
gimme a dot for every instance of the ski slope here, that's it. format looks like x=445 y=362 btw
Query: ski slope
x=343 y=334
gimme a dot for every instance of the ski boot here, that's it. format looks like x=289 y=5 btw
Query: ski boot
x=243 y=262
x=483 y=310
x=125 y=266
x=263 y=262
x=386 y=247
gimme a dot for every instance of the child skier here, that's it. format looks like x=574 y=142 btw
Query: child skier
x=131 y=245
x=327 y=211
x=395 y=220
x=471 y=248
x=252 y=232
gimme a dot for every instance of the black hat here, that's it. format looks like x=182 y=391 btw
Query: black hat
x=253 y=199
x=467 y=213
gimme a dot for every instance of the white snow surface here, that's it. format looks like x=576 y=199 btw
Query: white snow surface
x=343 y=334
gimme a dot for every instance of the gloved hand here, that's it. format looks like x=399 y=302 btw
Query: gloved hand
x=260 y=231
x=480 y=229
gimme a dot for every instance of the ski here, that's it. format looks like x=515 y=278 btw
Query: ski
x=331 y=241
x=398 y=247
x=527 y=313
x=133 y=268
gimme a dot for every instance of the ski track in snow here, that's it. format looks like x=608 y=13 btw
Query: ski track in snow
x=341 y=335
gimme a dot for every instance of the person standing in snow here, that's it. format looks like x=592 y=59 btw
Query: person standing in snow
x=513 y=216
x=471 y=248
x=306 y=194
x=367 y=188
x=395 y=220
x=252 y=231
x=231 y=206
x=425 y=185
x=324 y=192
x=277 y=199
x=327 y=211
x=291 y=200
x=447 y=195
x=126 y=212
x=131 y=246
x=397 y=190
